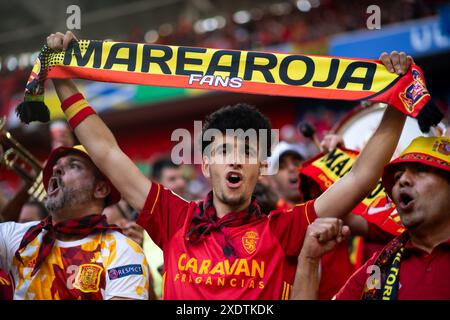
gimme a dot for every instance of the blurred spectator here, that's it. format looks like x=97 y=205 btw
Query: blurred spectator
x=61 y=134
x=124 y=216
x=286 y=157
x=169 y=175
x=32 y=211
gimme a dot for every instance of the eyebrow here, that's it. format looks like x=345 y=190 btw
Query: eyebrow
x=76 y=159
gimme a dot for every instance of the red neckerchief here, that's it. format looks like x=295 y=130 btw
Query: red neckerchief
x=205 y=220
x=74 y=227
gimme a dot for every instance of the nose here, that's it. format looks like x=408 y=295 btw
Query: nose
x=235 y=164
x=58 y=169
x=236 y=158
x=406 y=178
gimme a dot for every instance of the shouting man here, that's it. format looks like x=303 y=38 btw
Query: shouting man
x=73 y=253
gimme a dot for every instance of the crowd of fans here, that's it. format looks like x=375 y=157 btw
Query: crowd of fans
x=286 y=23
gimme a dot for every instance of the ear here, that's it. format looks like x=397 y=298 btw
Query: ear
x=205 y=167
x=102 y=189
x=264 y=168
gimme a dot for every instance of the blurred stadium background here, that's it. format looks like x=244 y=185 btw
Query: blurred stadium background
x=421 y=28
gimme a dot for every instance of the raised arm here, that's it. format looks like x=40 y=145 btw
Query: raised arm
x=347 y=192
x=321 y=237
x=100 y=142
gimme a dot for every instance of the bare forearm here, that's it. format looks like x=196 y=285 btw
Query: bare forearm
x=105 y=152
x=307 y=280
x=368 y=168
x=351 y=189
x=93 y=134
x=64 y=88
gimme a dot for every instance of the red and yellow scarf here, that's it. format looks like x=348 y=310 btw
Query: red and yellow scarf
x=75 y=227
x=230 y=70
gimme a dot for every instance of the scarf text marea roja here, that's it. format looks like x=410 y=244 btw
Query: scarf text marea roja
x=231 y=70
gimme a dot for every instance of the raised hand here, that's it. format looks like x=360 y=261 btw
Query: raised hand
x=396 y=62
x=59 y=41
x=322 y=236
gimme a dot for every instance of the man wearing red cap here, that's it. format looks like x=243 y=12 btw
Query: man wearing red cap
x=415 y=264
x=74 y=253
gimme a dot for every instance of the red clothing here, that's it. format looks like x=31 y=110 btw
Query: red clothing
x=336 y=265
x=201 y=270
x=422 y=276
x=282 y=205
x=6 y=286
x=336 y=270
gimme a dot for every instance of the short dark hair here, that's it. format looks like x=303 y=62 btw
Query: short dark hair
x=159 y=166
x=42 y=211
x=240 y=116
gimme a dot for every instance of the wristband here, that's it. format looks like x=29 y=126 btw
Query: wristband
x=76 y=109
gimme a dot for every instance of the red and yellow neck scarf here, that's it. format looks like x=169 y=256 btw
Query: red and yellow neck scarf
x=230 y=70
x=75 y=227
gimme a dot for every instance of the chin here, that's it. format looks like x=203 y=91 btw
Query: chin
x=412 y=223
x=234 y=200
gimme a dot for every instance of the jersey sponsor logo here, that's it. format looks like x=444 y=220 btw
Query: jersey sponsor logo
x=236 y=273
x=88 y=278
x=124 y=271
x=250 y=241
x=237 y=267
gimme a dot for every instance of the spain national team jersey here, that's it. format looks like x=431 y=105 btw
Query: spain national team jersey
x=100 y=266
x=201 y=270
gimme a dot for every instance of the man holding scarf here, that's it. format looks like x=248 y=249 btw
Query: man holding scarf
x=223 y=247
x=74 y=253
x=415 y=264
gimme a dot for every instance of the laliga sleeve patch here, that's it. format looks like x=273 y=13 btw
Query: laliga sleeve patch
x=124 y=271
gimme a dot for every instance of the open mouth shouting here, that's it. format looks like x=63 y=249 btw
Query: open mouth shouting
x=406 y=201
x=53 y=186
x=293 y=182
x=234 y=179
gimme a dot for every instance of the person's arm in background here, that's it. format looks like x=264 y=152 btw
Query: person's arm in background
x=346 y=193
x=99 y=141
x=321 y=237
